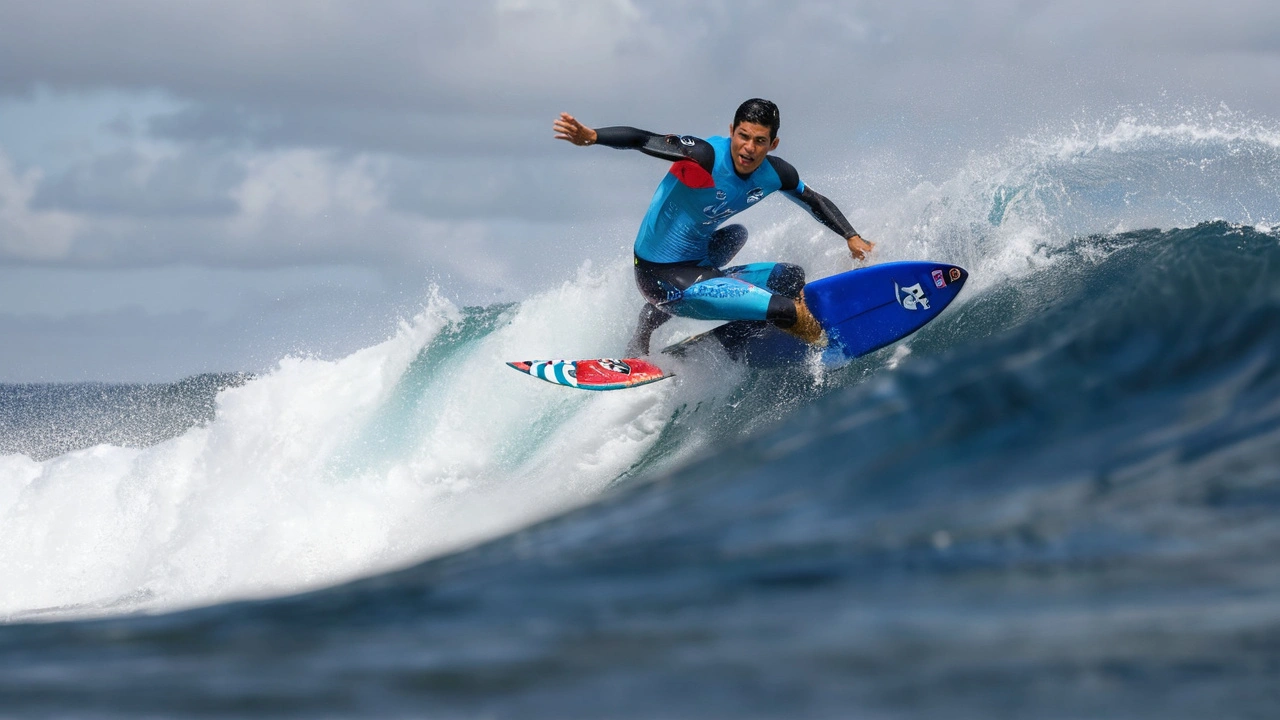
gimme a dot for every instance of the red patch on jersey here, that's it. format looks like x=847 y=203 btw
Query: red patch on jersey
x=692 y=174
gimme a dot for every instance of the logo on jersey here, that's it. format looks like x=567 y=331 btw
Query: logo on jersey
x=911 y=297
x=615 y=366
x=688 y=141
x=755 y=195
x=938 y=280
x=716 y=213
x=722 y=195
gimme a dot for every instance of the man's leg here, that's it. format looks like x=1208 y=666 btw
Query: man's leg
x=651 y=318
x=760 y=291
x=781 y=278
x=786 y=280
x=734 y=298
x=725 y=243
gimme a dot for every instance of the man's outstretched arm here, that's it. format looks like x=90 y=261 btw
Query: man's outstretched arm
x=666 y=147
x=828 y=214
x=822 y=209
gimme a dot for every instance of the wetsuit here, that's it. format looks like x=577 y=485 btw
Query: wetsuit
x=681 y=250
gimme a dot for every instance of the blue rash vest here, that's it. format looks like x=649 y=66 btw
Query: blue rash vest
x=702 y=190
x=691 y=203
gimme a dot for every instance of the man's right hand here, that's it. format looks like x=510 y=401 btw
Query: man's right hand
x=568 y=128
x=858 y=247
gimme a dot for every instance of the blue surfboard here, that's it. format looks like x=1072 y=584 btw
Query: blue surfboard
x=861 y=311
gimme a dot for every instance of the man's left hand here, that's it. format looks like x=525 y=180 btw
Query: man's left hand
x=568 y=128
x=859 y=247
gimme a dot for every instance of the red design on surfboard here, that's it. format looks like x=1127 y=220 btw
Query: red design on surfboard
x=596 y=374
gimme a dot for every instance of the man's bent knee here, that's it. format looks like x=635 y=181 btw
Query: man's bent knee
x=787 y=279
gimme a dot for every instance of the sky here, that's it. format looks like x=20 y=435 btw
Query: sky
x=208 y=186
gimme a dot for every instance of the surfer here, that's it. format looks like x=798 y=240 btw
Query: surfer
x=681 y=249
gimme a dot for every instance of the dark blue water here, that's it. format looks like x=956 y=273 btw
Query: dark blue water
x=1065 y=503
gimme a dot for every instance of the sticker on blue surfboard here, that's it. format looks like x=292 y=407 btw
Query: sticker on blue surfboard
x=861 y=311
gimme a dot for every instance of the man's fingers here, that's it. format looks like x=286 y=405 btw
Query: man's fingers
x=858 y=247
x=568 y=128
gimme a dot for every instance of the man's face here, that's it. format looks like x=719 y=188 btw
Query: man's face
x=748 y=144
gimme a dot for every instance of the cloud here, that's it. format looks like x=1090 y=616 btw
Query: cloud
x=128 y=182
x=412 y=139
x=25 y=233
x=297 y=207
x=403 y=55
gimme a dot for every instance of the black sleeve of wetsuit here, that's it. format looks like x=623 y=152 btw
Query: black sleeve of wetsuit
x=666 y=147
x=821 y=208
x=786 y=173
x=825 y=211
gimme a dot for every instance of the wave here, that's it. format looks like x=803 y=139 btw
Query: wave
x=1064 y=500
x=321 y=471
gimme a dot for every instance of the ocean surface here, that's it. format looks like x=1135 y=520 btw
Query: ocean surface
x=1059 y=500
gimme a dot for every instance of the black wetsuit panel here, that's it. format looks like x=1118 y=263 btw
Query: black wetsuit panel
x=665 y=147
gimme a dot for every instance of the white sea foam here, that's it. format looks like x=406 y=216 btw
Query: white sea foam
x=1005 y=214
x=320 y=471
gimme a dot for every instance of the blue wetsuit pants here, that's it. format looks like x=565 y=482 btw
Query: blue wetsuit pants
x=706 y=291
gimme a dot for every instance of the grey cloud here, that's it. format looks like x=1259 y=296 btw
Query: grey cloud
x=123 y=125
x=404 y=55
x=556 y=190
x=127 y=183
x=408 y=134
x=470 y=257
x=1178 y=27
x=430 y=79
x=486 y=55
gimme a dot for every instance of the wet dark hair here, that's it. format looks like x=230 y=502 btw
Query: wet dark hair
x=760 y=112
